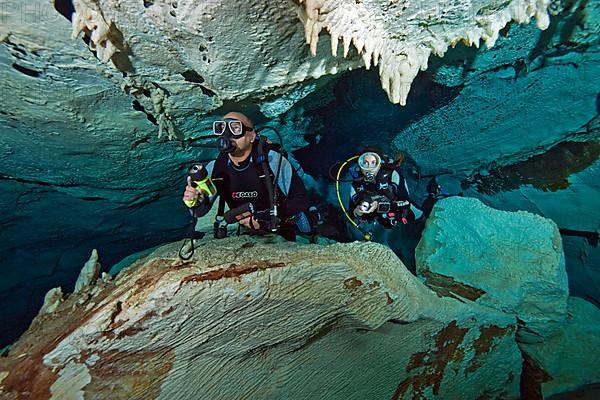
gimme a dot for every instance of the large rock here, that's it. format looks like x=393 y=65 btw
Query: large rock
x=248 y=319
x=512 y=261
x=569 y=360
x=84 y=137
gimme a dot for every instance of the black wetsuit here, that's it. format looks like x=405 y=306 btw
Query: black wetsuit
x=387 y=187
x=245 y=183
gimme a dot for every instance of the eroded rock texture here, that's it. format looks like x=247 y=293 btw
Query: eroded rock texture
x=247 y=319
x=568 y=360
x=513 y=262
x=93 y=151
x=510 y=261
x=192 y=56
x=397 y=36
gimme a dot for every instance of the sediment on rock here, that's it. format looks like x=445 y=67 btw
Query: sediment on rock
x=243 y=314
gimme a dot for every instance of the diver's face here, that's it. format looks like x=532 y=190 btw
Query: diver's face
x=370 y=165
x=243 y=143
x=370 y=162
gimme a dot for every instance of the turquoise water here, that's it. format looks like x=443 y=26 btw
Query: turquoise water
x=516 y=126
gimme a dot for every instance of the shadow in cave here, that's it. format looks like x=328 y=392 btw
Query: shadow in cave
x=361 y=115
x=65 y=8
x=573 y=15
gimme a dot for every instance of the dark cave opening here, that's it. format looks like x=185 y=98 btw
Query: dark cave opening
x=65 y=8
x=26 y=71
x=342 y=127
x=138 y=107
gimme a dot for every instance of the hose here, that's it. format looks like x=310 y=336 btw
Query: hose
x=366 y=235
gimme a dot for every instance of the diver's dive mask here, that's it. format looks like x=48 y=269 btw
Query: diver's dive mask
x=229 y=129
x=369 y=164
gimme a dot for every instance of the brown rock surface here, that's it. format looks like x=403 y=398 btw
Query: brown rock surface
x=253 y=319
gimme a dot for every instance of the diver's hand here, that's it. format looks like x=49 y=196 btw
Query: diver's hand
x=192 y=195
x=250 y=220
x=359 y=211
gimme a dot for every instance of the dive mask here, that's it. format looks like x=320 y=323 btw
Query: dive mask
x=369 y=163
x=233 y=127
x=226 y=130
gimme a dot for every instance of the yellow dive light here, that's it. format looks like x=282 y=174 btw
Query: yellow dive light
x=200 y=181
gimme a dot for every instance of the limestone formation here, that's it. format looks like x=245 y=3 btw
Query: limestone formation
x=86 y=120
x=502 y=260
x=396 y=36
x=510 y=261
x=89 y=19
x=187 y=49
x=52 y=300
x=569 y=360
x=254 y=319
x=89 y=272
x=399 y=36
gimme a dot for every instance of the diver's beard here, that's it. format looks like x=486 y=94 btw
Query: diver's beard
x=236 y=152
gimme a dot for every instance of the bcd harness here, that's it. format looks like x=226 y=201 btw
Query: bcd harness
x=248 y=203
x=392 y=197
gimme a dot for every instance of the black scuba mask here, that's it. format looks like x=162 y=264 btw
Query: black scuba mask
x=227 y=130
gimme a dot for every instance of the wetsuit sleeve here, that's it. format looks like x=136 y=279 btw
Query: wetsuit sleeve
x=403 y=193
x=202 y=208
x=290 y=185
x=353 y=199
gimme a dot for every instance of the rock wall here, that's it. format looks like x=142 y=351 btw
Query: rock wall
x=93 y=146
x=513 y=262
x=568 y=360
x=254 y=319
x=510 y=261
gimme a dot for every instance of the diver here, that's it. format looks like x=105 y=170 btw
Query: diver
x=380 y=193
x=258 y=184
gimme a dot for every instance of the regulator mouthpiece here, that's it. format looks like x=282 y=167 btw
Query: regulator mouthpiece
x=225 y=144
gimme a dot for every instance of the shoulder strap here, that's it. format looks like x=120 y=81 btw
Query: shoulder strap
x=217 y=174
x=263 y=159
x=388 y=191
x=219 y=165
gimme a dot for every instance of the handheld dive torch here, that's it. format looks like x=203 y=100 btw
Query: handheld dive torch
x=201 y=181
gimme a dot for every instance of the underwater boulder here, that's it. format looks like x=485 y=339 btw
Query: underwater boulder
x=569 y=359
x=512 y=261
x=252 y=318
